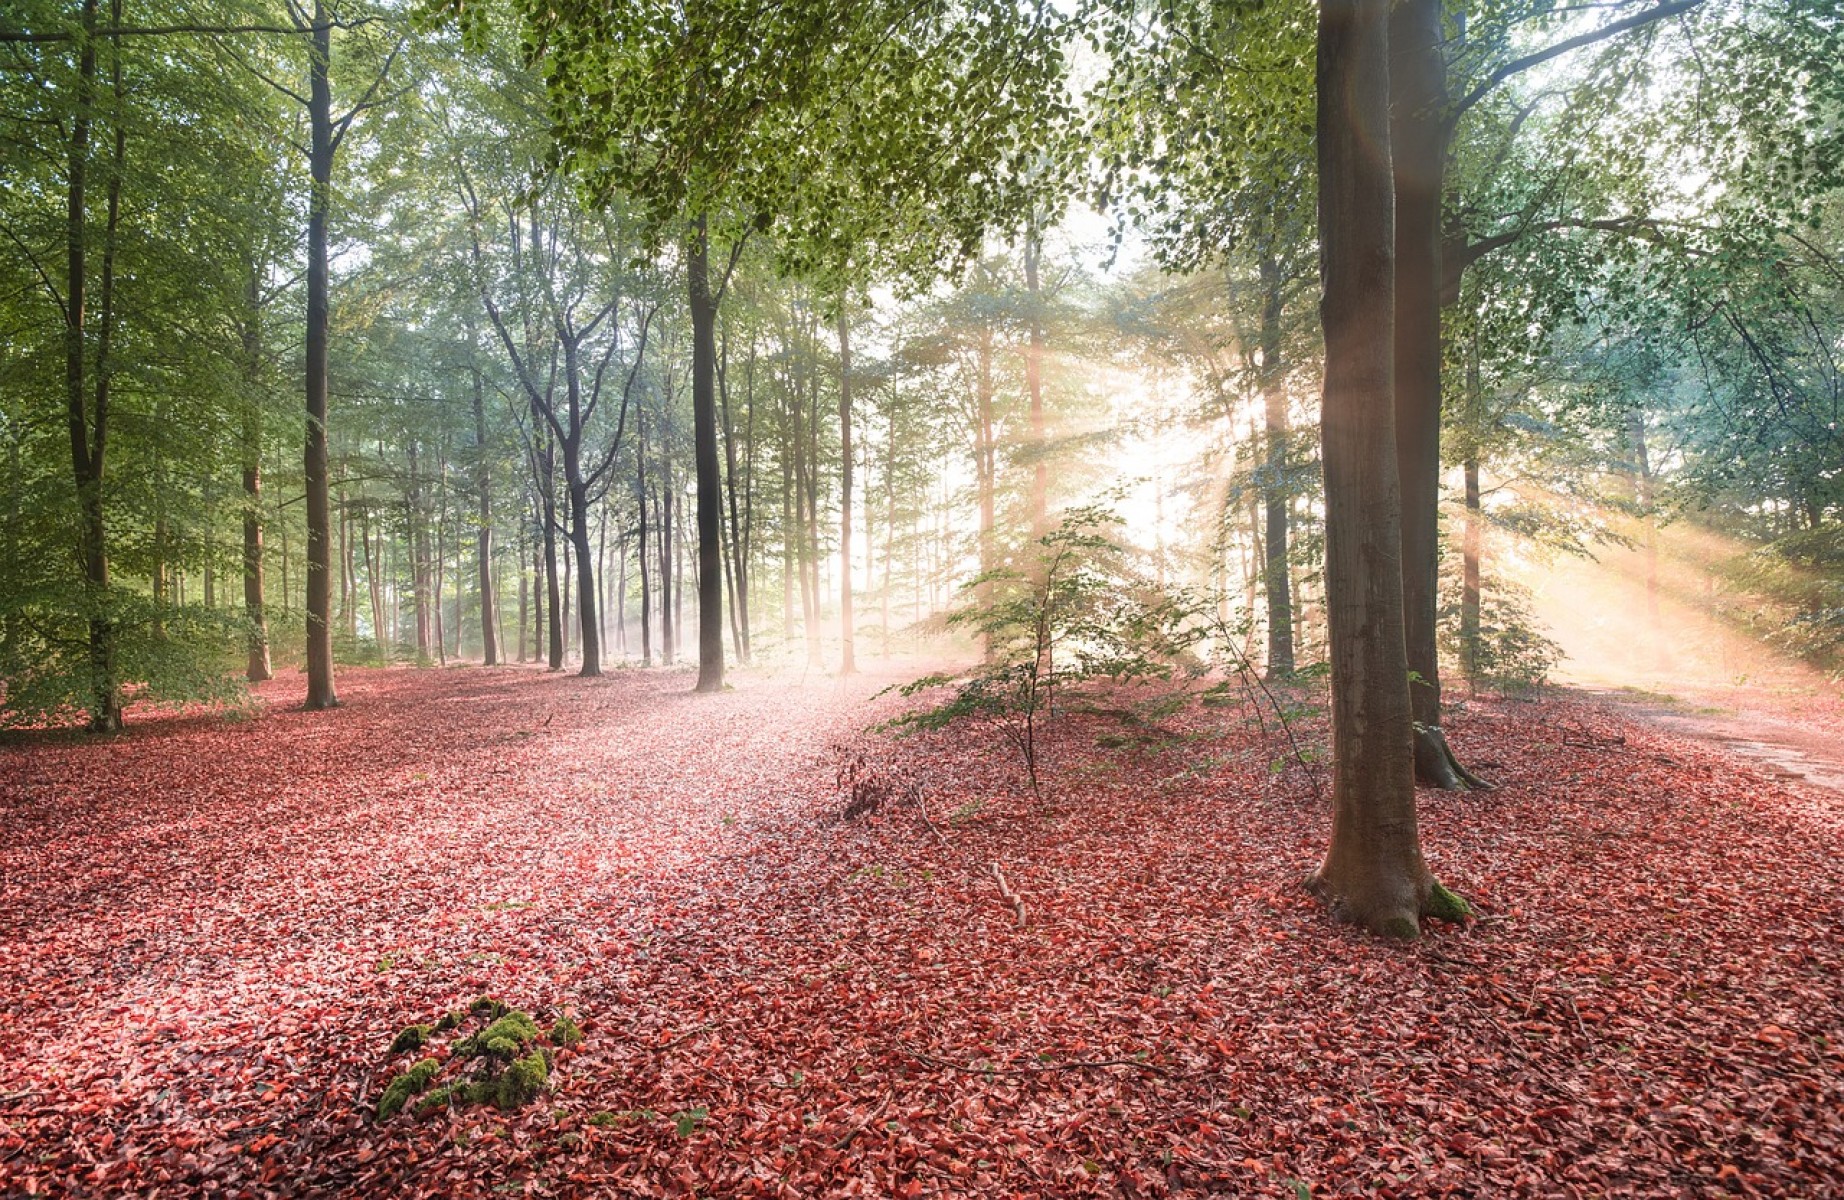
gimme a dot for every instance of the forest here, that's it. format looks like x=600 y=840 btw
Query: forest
x=978 y=598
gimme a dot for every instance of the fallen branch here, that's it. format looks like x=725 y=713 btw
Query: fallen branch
x=1080 y=1064
x=860 y=1127
x=1012 y=898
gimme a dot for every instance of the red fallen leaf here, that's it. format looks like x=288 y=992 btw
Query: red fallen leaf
x=207 y=912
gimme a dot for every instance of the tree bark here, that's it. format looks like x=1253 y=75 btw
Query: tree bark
x=848 y=664
x=88 y=429
x=1034 y=380
x=1373 y=873
x=1472 y=544
x=258 y=667
x=320 y=690
x=1418 y=96
x=1276 y=494
x=483 y=543
x=704 y=458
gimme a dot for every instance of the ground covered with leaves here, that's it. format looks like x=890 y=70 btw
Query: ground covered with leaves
x=217 y=935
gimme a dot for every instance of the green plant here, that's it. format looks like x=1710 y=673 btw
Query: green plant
x=1079 y=612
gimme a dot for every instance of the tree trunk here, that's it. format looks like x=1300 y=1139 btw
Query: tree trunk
x=662 y=512
x=739 y=542
x=1643 y=497
x=1373 y=873
x=258 y=667
x=640 y=541
x=320 y=691
x=1472 y=542
x=704 y=456
x=986 y=469
x=1034 y=381
x=1277 y=495
x=848 y=665
x=1418 y=98
x=88 y=430
x=483 y=544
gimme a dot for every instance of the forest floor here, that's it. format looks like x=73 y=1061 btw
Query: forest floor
x=212 y=929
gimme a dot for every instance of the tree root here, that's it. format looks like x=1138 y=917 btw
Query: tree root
x=1437 y=767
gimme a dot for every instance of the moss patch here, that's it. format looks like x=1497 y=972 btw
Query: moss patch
x=1444 y=905
x=412 y=1038
x=406 y=1085
x=505 y=1037
x=506 y=1062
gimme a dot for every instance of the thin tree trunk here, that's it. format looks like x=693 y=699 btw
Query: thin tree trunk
x=1034 y=381
x=1277 y=495
x=848 y=664
x=483 y=543
x=258 y=667
x=1472 y=543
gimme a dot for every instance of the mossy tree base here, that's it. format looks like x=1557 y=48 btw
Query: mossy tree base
x=1391 y=912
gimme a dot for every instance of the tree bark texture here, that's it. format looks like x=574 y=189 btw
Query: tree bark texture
x=1373 y=873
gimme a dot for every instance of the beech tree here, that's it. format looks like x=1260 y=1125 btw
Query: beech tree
x=1373 y=873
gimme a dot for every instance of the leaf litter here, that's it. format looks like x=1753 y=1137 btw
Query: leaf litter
x=213 y=930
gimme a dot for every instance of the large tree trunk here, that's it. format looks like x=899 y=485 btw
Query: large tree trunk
x=848 y=664
x=320 y=693
x=1418 y=98
x=1276 y=494
x=89 y=430
x=1373 y=873
x=704 y=457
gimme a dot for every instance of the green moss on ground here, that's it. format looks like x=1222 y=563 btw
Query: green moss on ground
x=412 y=1038
x=406 y=1085
x=505 y=1037
x=511 y=1065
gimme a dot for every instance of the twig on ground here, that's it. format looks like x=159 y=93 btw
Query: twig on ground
x=1012 y=898
x=1080 y=1064
x=860 y=1127
x=916 y=798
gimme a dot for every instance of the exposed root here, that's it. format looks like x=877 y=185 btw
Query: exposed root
x=1436 y=765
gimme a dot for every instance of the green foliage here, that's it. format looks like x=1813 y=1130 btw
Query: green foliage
x=166 y=654
x=1510 y=649
x=1081 y=611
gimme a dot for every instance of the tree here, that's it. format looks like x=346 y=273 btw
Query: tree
x=951 y=98
x=1373 y=873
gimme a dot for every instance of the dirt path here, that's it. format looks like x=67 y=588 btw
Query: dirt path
x=1788 y=738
